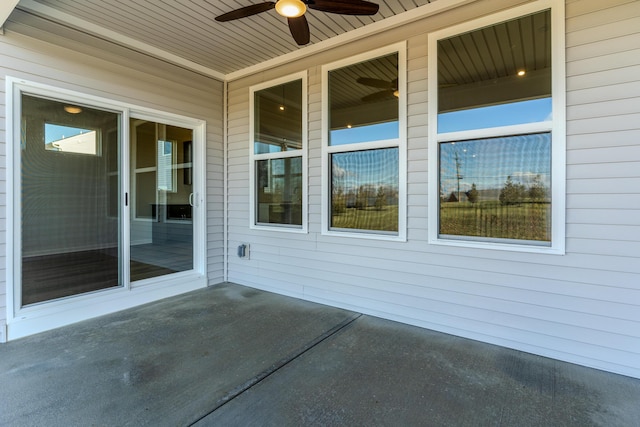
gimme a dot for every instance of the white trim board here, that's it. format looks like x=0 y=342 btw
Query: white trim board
x=6 y=8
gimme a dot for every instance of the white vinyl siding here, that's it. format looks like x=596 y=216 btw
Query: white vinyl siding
x=147 y=83
x=581 y=307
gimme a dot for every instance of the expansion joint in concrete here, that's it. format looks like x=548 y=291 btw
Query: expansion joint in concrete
x=280 y=364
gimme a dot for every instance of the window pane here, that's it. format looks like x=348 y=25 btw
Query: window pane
x=497 y=188
x=516 y=113
x=69 y=194
x=496 y=76
x=279 y=183
x=363 y=101
x=364 y=190
x=278 y=118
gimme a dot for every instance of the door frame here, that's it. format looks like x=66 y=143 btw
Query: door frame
x=23 y=321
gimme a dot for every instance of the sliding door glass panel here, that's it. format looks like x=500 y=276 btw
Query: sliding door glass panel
x=70 y=194
x=161 y=199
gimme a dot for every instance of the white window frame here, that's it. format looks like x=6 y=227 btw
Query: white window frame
x=302 y=152
x=400 y=143
x=557 y=128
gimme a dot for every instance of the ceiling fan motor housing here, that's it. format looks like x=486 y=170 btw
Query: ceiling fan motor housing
x=294 y=11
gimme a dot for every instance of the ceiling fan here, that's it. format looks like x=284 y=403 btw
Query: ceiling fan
x=390 y=88
x=294 y=11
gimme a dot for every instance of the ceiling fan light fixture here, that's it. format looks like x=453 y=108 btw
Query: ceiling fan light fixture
x=291 y=8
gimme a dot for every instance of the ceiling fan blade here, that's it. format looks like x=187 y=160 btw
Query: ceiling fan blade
x=243 y=12
x=368 y=81
x=344 y=7
x=299 y=28
x=379 y=96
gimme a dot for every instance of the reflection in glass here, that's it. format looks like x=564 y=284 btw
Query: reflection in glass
x=364 y=190
x=67 y=139
x=278 y=118
x=69 y=202
x=279 y=184
x=531 y=111
x=145 y=195
x=497 y=188
x=500 y=85
x=363 y=101
x=375 y=132
x=167 y=173
x=162 y=227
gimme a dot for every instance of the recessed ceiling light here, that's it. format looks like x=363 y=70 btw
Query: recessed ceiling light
x=72 y=109
x=521 y=73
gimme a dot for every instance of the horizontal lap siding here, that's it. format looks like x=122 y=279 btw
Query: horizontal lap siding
x=582 y=307
x=603 y=156
x=603 y=162
x=147 y=83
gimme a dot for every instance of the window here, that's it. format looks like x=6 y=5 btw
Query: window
x=278 y=154
x=363 y=151
x=497 y=118
x=167 y=162
x=70 y=139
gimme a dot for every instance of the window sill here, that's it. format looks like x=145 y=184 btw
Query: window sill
x=280 y=228
x=511 y=247
x=365 y=234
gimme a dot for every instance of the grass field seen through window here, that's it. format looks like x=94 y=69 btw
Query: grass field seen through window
x=491 y=219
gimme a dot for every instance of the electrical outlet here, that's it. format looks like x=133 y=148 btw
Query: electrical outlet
x=243 y=251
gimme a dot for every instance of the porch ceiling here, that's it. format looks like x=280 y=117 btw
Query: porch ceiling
x=184 y=32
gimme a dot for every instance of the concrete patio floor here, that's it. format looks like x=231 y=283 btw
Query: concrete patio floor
x=234 y=356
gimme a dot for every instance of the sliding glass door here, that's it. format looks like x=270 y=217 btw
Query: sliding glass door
x=100 y=209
